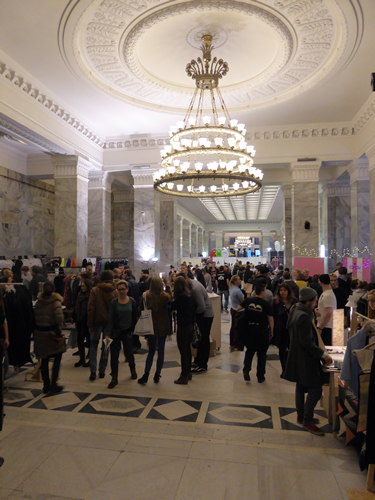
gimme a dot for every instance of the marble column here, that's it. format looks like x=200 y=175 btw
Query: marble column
x=370 y=153
x=200 y=241
x=186 y=239
x=123 y=224
x=71 y=206
x=360 y=206
x=146 y=221
x=178 y=239
x=100 y=214
x=194 y=240
x=211 y=242
x=287 y=240
x=342 y=217
x=206 y=242
x=305 y=207
x=218 y=240
x=168 y=230
x=328 y=224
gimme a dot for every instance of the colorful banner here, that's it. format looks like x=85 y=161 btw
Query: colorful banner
x=360 y=268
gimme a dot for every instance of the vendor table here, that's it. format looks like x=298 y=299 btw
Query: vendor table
x=337 y=353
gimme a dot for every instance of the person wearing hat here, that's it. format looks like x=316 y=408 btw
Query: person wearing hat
x=324 y=312
x=305 y=358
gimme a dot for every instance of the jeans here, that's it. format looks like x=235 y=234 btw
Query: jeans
x=127 y=340
x=233 y=334
x=226 y=297
x=152 y=341
x=304 y=409
x=94 y=342
x=257 y=345
x=184 y=339
x=203 y=351
x=55 y=370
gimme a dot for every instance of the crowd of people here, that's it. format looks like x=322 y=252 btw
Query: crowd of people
x=290 y=310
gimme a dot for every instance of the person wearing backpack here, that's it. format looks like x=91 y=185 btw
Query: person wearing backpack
x=258 y=330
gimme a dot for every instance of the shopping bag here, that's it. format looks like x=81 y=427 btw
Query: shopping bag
x=144 y=324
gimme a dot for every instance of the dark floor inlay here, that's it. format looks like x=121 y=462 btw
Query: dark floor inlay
x=240 y=415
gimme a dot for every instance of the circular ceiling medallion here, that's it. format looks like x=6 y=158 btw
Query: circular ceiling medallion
x=137 y=51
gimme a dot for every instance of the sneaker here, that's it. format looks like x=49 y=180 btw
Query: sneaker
x=311 y=427
x=182 y=380
x=226 y=310
x=198 y=369
x=92 y=376
x=300 y=420
x=261 y=380
x=194 y=365
x=246 y=375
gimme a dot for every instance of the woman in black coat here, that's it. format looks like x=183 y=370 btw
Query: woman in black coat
x=281 y=305
x=80 y=314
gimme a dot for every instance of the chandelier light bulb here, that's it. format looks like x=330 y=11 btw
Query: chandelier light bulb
x=208 y=144
x=245 y=184
x=243 y=160
x=168 y=149
x=249 y=149
x=253 y=152
x=231 y=142
x=163 y=184
x=183 y=142
x=198 y=166
x=241 y=126
x=176 y=163
x=209 y=166
x=195 y=144
x=202 y=189
x=170 y=185
x=163 y=153
x=213 y=189
x=190 y=189
x=180 y=125
x=218 y=141
x=171 y=170
x=222 y=120
x=215 y=166
x=180 y=187
x=241 y=168
x=243 y=132
x=229 y=166
x=192 y=121
x=236 y=186
x=233 y=123
x=225 y=187
x=173 y=129
x=207 y=120
x=202 y=141
x=185 y=166
x=223 y=165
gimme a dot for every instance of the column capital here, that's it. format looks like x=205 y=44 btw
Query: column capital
x=186 y=222
x=123 y=196
x=100 y=180
x=370 y=153
x=305 y=171
x=71 y=166
x=358 y=170
x=143 y=177
x=287 y=190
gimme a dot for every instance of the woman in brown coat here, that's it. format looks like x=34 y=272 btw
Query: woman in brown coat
x=47 y=335
x=157 y=300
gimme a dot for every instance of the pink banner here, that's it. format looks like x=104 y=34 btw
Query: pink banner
x=361 y=268
x=314 y=265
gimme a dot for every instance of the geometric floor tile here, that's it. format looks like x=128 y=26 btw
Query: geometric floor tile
x=62 y=401
x=229 y=368
x=171 y=364
x=242 y=415
x=19 y=397
x=115 y=405
x=273 y=357
x=289 y=420
x=170 y=409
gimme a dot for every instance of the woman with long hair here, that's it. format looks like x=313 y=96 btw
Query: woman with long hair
x=158 y=301
x=200 y=277
x=185 y=306
x=120 y=327
x=236 y=298
x=48 y=340
x=282 y=303
x=80 y=316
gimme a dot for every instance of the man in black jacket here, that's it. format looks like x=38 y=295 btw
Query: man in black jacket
x=304 y=360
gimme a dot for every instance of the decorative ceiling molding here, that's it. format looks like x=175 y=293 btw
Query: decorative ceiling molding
x=71 y=167
x=311 y=38
x=137 y=143
x=364 y=116
x=359 y=170
x=305 y=172
x=100 y=180
x=143 y=178
x=44 y=100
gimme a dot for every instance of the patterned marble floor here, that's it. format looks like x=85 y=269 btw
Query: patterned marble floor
x=219 y=437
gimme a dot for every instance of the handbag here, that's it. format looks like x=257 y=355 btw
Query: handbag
x=144 y=324
x=197 y=336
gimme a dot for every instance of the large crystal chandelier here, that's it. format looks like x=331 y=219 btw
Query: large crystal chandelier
x=207 y=155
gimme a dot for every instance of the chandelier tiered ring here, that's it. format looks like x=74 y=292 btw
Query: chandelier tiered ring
x=207 y=155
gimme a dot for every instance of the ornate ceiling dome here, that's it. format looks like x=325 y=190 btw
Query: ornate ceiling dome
x=137 y=50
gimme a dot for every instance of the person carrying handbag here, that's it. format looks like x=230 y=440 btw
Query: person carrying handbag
x=157 y=300
x=121 y=322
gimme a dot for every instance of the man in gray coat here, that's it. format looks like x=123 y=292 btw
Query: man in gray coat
x=304 y=363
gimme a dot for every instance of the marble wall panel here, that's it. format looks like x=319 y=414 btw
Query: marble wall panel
x=330 y=223
x=27 y=210
x=123 y=231
x=178 y=239
x=200 y=241
x=343 y=224
x=288 y=232
x=146 y=227
x=305 y=207
x=194 y=241
x=360 y=214
x=167 y=234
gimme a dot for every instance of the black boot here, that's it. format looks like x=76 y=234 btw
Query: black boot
x=81 y=361
x=113 y=383
x=143 y=379
x=133 y=373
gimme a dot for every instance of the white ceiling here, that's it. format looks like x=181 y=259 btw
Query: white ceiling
x=118 y=66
